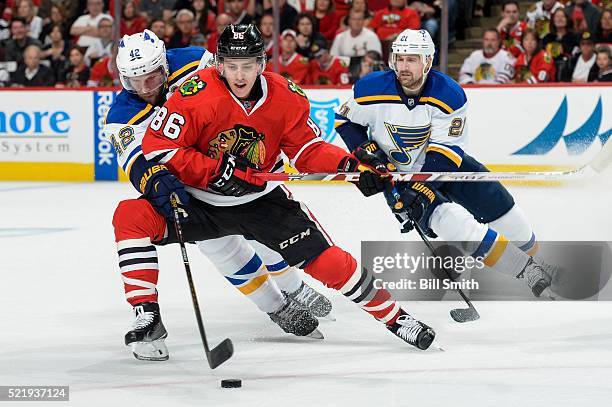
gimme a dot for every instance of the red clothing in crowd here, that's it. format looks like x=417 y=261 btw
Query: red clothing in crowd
x=541 y=68
x=102 y=75
x=336 y=73
x=511 y=39
x=295 y=69
x=328 y=25
x=389 y=21
x=138 y=25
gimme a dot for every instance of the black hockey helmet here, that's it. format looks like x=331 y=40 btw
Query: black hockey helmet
x=240 y=41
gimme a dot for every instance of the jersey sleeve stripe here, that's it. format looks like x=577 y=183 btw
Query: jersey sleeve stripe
x=140 y=116
x=377 y=99
x=436 y=102
x=127 y=166
x=304 y=147
x=447 y=152
x=161 y=156
x=189 y=67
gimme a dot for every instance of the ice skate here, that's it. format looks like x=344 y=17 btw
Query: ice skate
x=293 y=318
x=413 y=331
x=148 y=334
x=539 y=278
x=314 y=301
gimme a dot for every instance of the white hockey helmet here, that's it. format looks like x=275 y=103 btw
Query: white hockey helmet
x=413 y=42
x=140 y=54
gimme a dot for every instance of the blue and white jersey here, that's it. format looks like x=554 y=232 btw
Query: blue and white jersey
x=408 y=128
x=129 y=115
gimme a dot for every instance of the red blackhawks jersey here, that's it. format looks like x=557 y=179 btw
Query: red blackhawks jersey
x=336 y=73
x=511 y=38
x=204 y=119
x=541 y=68
x=295 y=68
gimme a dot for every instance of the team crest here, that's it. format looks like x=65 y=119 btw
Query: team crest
x=192 y=86
x=485 y=71
x=295 y=88
x=323 y=114
x=243 y=141
x=406 y=139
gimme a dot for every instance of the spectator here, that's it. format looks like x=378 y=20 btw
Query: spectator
x=198 y=40
x=76 y=72
x=222 y=21
x=131 y=20
x=357 y=5
x=584 y=15
x=86 y=26
x=602 y=70
x=101 y=46
x=603 y=33
x=491 y=64
x=157 y=9
x=561 y=43
x=68 y=8
x=19 y=41
x=26 y=10
x=159 y=28
x=236 y=9
x=327 y=21
x=205 y=18
x=288 y=13
x=357 y=40
x=309 y=41
x=583 y=62
x=538 y=16
x=266 y=27
x=56 y=17
x=327 y=69
x=428 y=13
x=185 y=29
x=371 y=62
x=292 y=65
x=390 y=21
x=534 y=64
x=32 y=73
x=510 y=28
x=57 y=51
x=104 y=72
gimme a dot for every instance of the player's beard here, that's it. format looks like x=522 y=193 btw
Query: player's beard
x=410 y=83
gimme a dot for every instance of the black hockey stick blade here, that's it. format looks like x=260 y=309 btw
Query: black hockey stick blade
x=464 y=314
x=220 y=353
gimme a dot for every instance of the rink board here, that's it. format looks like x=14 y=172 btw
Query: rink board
x=55 y=135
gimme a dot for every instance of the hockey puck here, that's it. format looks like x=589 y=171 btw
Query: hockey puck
x=231 y=383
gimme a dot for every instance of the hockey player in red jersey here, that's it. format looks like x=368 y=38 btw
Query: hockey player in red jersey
x=223 y=127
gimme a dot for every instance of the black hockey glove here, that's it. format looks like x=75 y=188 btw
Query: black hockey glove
x=374 y=175
x=415 y=198
x=157 y=184
x=234 y=176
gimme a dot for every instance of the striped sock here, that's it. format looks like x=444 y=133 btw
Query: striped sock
x=139 y=269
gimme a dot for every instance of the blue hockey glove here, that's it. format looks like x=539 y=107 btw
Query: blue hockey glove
x=157 y=185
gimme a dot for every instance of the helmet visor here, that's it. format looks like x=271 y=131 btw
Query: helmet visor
x=147 y=84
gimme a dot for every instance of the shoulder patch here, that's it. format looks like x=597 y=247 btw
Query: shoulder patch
x=192 y=86
x=296 y=89
x=547 y=57
x=304 y=60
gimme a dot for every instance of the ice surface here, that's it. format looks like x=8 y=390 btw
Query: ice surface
x=63 y=317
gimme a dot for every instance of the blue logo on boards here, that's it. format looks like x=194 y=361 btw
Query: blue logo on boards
x=323 y=114
x=576 y=142
x=105 y=162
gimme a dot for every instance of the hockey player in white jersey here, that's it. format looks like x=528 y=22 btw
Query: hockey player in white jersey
x=149 y=75
x=417 y=120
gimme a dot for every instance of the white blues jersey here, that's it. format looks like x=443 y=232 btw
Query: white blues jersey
x=408 y=128
x=129 y=115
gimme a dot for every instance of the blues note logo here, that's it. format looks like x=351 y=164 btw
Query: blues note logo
x=406 y=139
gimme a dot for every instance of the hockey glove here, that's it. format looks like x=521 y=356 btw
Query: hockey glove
x=415 y=198
x=234 y=176
x=374 y=176
x=157 y=184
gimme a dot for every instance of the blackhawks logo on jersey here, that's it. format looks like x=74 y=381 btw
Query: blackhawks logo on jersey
x=295 y=88
x=192 y=86
x=243 y=141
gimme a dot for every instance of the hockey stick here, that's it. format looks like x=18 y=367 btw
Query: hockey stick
x=596 y=166
x=225 y=349
x=458 y=314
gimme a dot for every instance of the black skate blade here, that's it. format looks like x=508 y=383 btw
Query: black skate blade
x=219 y=354
x=464 y=314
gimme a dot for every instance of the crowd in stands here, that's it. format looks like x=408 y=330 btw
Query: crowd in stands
x=70 y=43
x=555 y=43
